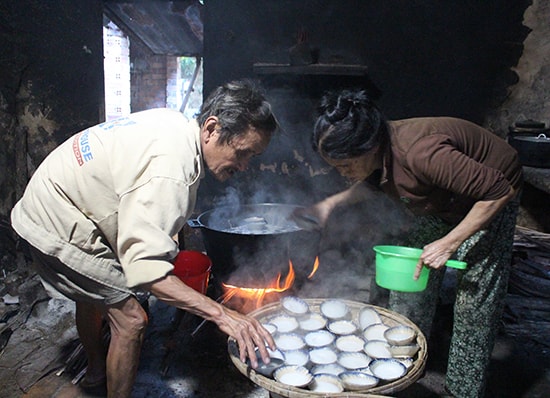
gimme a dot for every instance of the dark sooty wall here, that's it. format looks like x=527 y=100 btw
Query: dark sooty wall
x=51 y=82
x=425 y=58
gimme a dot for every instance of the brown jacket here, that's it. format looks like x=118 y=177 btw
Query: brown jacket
x=441 y=166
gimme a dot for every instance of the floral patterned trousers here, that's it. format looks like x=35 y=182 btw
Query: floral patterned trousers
x=481 y=290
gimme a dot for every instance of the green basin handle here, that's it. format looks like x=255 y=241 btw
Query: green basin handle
x=456 y=264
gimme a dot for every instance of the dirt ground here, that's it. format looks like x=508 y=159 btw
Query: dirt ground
x=174 y=364
x=37 y=336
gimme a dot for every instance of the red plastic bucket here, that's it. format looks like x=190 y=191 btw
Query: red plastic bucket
x=193 y=268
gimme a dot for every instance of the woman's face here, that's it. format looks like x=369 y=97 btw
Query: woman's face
x=358 y=168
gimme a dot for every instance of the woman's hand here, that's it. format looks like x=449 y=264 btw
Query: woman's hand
x=313 y=217
x=435 y=255
x=316 y=216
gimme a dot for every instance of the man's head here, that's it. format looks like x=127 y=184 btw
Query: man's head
x=236 y=124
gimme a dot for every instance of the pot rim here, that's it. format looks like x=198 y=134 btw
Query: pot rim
x=236 y=209
x=541 y=138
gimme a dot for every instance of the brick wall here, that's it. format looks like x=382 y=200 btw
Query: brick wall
x=172 y=82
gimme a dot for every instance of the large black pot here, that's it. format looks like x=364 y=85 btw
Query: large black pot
x=254 y=242
x=531 y=139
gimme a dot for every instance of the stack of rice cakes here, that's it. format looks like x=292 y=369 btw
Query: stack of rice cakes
x=329 y=347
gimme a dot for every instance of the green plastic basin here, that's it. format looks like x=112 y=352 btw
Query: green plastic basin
x=395 y=267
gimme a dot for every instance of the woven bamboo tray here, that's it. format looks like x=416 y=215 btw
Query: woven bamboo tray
x=390 y=318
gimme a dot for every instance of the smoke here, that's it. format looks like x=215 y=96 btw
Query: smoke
x=290 y=172
x=346 y=259
x=231 y=197
x=344 y=246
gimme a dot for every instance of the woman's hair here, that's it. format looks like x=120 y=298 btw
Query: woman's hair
x=349 y=125
x=239 y=106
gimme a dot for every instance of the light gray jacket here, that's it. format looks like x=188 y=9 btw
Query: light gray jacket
x=108 y=201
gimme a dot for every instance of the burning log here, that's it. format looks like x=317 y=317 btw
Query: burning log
x=527 y=306
x=255 y=296
x=258 y=294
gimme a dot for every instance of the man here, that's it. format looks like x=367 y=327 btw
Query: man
x=101 y=210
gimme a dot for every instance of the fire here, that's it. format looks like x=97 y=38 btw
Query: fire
x=315 y=267
x=258 y=294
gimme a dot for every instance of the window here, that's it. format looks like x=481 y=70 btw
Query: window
x=117 y=72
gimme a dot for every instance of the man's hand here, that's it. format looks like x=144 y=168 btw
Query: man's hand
x=247 y=331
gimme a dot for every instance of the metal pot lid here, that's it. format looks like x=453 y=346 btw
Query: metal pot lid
x=252 y=219
x=541 y=138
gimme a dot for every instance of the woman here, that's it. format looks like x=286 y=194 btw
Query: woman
x=462 y=183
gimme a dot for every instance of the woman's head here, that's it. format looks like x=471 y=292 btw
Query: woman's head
x=349 y=125
x=349 y=132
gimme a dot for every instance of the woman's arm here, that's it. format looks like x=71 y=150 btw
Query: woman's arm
x=247 y=331
x=321 y=210
x=436 y=254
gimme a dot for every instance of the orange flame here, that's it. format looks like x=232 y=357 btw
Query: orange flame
x=315 y=267
x=259 y=293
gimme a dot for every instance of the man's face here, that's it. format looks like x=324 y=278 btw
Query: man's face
x=223 y=160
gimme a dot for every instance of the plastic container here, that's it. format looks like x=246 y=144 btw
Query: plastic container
x=193 y=268
x=395 y=266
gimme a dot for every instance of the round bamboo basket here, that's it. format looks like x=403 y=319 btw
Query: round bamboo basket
x=390 y=318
